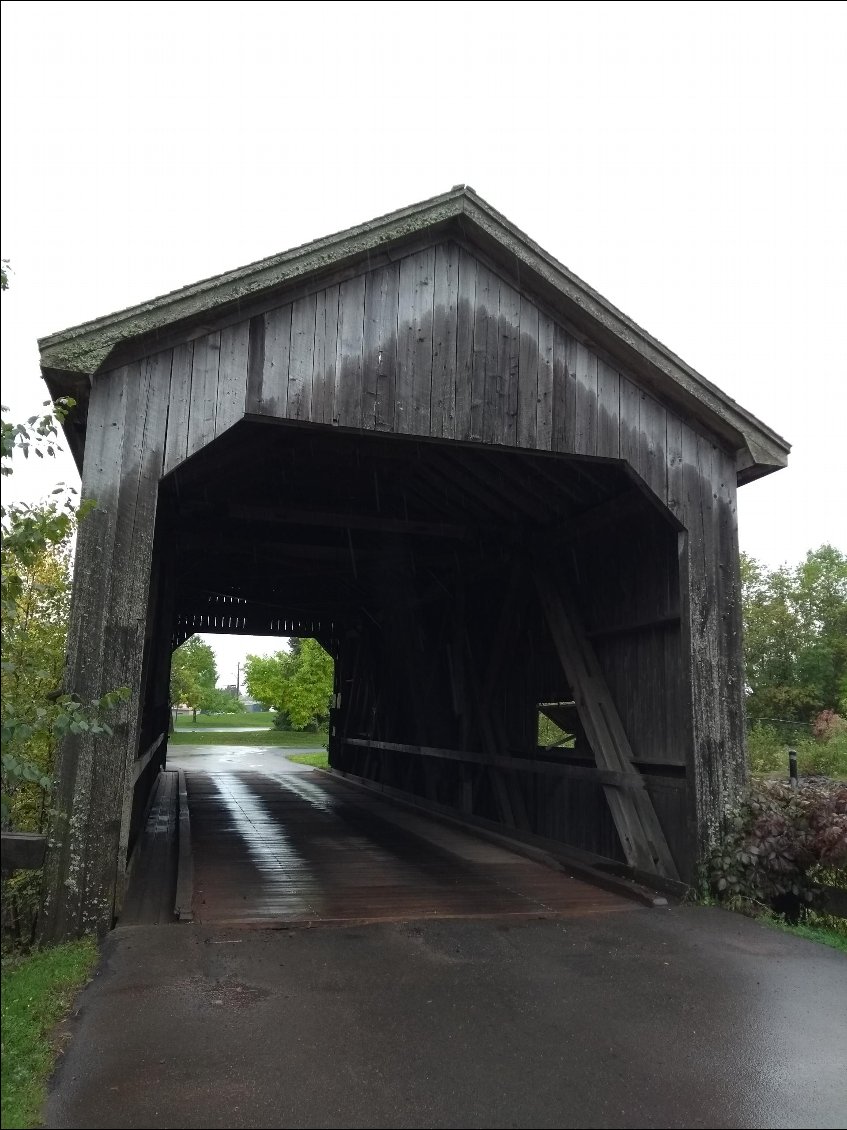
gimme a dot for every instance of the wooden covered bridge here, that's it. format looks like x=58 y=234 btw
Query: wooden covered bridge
x=480 y=486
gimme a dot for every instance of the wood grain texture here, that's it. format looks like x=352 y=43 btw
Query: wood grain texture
x=204 y=391
x=380 y=348
x=445 y=340
x=302 y=359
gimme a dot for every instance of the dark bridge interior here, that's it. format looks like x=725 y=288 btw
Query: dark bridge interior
x=415 y=563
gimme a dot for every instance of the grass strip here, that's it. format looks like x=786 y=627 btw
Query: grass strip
x=38 y=990
x=250 y=738
x=317 y=760
x=259 y=718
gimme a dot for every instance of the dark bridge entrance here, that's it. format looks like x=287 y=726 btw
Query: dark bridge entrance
x=477 y=484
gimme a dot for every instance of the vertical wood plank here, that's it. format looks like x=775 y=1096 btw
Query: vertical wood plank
x=272 y=398
x=562 y=386
x=380 y=347
x=302 y=359
x=326 y=349
x=485 y=311
x=508 y=360
x=652 y=441
x=528 y=374
x=464 y=343
x=544 y=409
x=204 y=391
x=608 y=411
x=232 y=376
x=586 y=401
x=176 y=441
x=493 y=416
x=350 y=352
x=630 y=420
x=674 y=488
x=444 y=340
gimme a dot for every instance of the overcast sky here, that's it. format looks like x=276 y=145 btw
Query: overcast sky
x=689 y=161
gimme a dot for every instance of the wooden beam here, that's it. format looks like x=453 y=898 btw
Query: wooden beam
x=632 y=782
x=294 y=517
x=670 y=620
x=141 y=763
x=22 y=851
x=635 y=818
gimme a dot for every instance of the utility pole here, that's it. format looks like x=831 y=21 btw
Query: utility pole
x=238 y=680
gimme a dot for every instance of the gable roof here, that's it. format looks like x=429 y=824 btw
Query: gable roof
x=70 y=357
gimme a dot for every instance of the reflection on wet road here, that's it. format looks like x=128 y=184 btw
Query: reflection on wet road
x=286 y=845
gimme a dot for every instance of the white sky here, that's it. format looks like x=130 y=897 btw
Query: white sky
x=689 y=161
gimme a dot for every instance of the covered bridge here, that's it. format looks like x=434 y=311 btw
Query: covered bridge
x=481 y=487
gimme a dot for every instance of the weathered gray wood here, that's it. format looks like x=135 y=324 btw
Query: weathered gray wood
x=630 y=404
x=268 y=395
x=585 y=438
x=380 y=348
x=641 y=834
x=204 y=391
x=65 y=910
x=127 y=429
x=179 y=410
x=493 y=420
x=486 y=313
x=145 y=758
x=444 y=340
x=544 y=406
x=22 y=851
x=301 y=360
x=232 y=376
x=652 y=441
x=129 y=607
x=468 y=270
x=349 y=358
x=630 y=782
x=508 y=360
x=414 y=343
x=326 y=356
x=528 y=375
x=608 y=411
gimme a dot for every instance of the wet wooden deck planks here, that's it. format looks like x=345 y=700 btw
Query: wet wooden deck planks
x=297 y=848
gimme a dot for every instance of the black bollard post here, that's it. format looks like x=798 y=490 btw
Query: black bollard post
x=792 y=767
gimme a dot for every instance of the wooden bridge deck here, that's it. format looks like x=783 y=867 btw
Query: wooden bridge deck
x=297 y=847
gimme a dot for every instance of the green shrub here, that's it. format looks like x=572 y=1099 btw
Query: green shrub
x=781 y=845
x=766 y=751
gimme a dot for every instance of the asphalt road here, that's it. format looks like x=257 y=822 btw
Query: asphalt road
x=683 y=1017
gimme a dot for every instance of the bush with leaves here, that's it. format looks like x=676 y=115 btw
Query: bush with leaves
x=781 y=845
x=35 y=710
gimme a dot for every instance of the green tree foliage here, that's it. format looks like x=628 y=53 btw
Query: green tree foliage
x=193 y=677
x=297 y=683
x=795 y=637
x=36 y=710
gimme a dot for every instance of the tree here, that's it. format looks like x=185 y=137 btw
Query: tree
x=296 y=683
x=36 y=711
x=193 y=676
x=795 y=637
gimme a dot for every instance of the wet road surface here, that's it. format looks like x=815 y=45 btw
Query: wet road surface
x=682 y=1017
x=275 y=842
x=689 y=1017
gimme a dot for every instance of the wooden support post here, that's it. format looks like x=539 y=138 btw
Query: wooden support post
x=635 y=818
x=123 y=463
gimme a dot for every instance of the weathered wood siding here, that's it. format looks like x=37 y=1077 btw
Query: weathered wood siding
x=436 y=344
